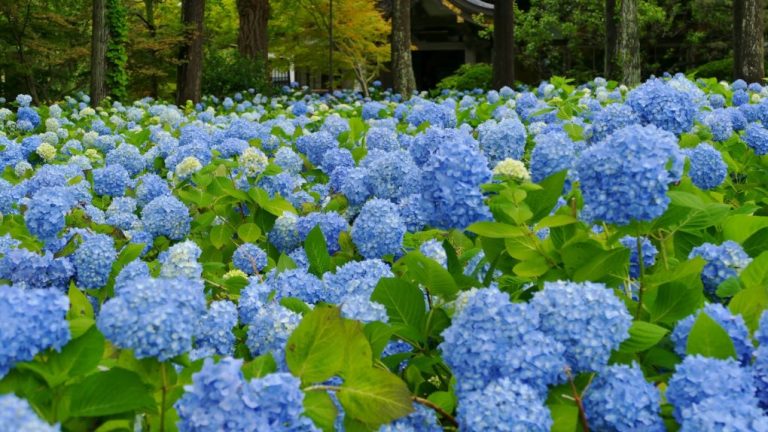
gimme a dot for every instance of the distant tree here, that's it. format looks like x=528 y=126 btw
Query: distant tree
x=629 y=55
x=611 y=38
x=99 y=36
x=404 y=81
x=117 y=25
x=503 y=43
x=190 y=71
x=748 y=37
x=253 y=32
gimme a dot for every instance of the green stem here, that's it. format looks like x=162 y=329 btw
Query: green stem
x=164 y=390
x=641 y=279
x=577 y=399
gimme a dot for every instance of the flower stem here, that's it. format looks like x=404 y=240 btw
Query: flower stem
x=641 y=265
x=577 y=399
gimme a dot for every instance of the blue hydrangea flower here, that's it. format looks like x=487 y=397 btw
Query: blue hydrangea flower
x=719 y=122
x=150 y=186
x=739 y=97
x=734 y=325
x=425 y=111
x=649 y=254
x=502 y=140
x=334 y=125
x=46 y=210
x=492 y=338
x=21 y=266
x=297 y=283
x=373 y=110
x=127 y=156
x=554 y=152
x=269 y=329
x=587 y=318
x=378 y=229
x=27 y=115
x=250 y=258
x=214 y=334
x=415 y=212
x=663 y=106
x=170 y=310
x=626 y=176
x=180 y=260
x=354 y=278
x=111 y=180
x=288 y=160
x=708 y=170
x=621 y=400
x=134 y=270
x=422 y=419
x=723 y=262
x=451 y=183
x=93 y=260
x=513 y=404
x=17 y=415
x=335 y=158
x=331 y=224
x=391 y=175
x=315 y=145
x=756 y=137
x=353 y=183
x=285 y=233
x=31 y=320
x=434 y=249
x=361 y=308
x=231 y=147
x=723 y=413
x=699 y=378
x=166 y=216
x=381 y=138
x=610 y=119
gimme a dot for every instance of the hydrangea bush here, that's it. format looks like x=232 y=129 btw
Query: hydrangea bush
x=565 y=257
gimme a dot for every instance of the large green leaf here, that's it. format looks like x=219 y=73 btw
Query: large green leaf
x=756 y=273
x=709 y=339
x=495 y=230
x=542 y=201
x=249 y=232
x=314 y=351
x=432 y=275
x=642 y=335
x=320 y=408
x=375 y=397
x=317 y=252
x=674 y=301
x=106 y=393
x=404 y=301
x=750 y=303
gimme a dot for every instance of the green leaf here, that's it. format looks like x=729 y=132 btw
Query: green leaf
x=756 y=273
x=357 y=350
x=295 y=304
x=565 y=417
x=260 y=366
x=378 y=335
x=555 y=221
x=755 y=244
x=495 y=230
x=533 y=267
x=542 y=201
x=79 y=306
x=320 y=408
x=317 y=252
x=642 y=335
x=431 y=274
x=314 y=351
x=111 y=392
x=249 y=232
x=588 y=261
x=674 y=301
x=709 y=339
x=404 y=301
x=750 y=303
x=375 y=397
x=221 y=235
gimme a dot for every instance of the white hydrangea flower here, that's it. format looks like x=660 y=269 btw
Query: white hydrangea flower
x=512 y=168
x=187 y=167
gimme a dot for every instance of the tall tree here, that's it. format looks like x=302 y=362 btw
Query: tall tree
x=748 y=30
x=190 y=73
x=252 y=36
x=503 y=43
x=610 y=38
x=629 y=54
x=117 y=76
x=98 y=52
x=402 y=63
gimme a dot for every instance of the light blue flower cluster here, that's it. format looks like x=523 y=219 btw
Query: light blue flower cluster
x=502 y=140
x=331 y=224
x=45 y=214
x=128 y=157
x=315 y=145
x=708 y=170
x=587 y=318
x=180 y=260
x=355 y=278
x=24 y=267
x=170 y=310
x=111 y=180
x=93 y=260
x=649 y=254
x=422 y=419
x=392 y=175
x=220 y=399
x=381 y=138
x=756 y=137
x=435 y=250
x=516 y=406
x=288 y=160
x=698 y=379
x=17 y=415
x=269 y=328
x=166 y=216
x=31 y=320
x=372 y=110
x=214 y=334
x=621 y=400
x=250 y=258
x=724 y=261
x=663 y=106
x=378 y=230
x=734 y=325
x=149 y=187
x=451 y=180
x=719 y=122
x=723 y=414
x=424 y=111
x=492 y=338
x=554 y=152
x=626 y=176
x=610 y=119
x=296 y=283
x=285 y=233
x=133 y=270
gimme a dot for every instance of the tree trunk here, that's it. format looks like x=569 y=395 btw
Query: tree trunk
x=630 y=43
x=402 y=64
x=98 y=53
x=503 y=43
x=149 y=10
x=190 y=72
x=748 y=51
x=610 y=38
x=252 y=36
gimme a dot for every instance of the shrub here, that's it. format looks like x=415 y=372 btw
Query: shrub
x=468 y=77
